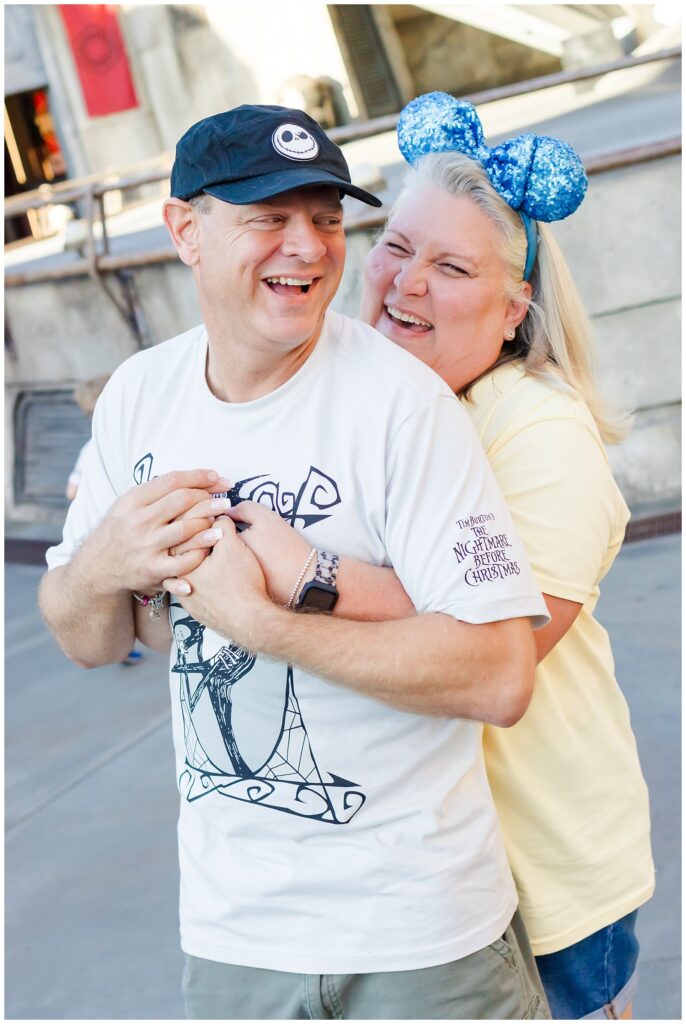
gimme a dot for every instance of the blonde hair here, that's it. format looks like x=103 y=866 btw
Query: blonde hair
x=88 y=392
x=555 y=338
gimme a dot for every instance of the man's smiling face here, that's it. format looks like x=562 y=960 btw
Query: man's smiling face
x=272 y=268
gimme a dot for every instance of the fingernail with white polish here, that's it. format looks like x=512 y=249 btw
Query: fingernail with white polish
x=184 y=588
x=214 y=534
x=220 y=504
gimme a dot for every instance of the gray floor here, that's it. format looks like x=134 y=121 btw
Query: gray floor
x=91 y=876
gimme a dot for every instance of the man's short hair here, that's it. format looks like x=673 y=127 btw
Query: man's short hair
x=202 y=203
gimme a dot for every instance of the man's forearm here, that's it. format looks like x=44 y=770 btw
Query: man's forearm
x=91 y=627
x=427 y=664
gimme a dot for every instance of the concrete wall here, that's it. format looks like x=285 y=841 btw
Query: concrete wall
x=624 y=248
x=443 y=54
x=24 y=67
x=625 y=256
x=626 y=260
x=103 y=143
x=68 y=331
x=187 y=61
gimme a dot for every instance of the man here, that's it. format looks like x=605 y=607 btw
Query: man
x=340 y=855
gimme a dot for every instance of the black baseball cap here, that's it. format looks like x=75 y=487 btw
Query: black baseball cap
x=253 y=152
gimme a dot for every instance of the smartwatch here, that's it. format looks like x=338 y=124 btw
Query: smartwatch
x=320 y=594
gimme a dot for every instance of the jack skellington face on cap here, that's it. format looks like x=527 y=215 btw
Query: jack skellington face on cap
x=295 y=142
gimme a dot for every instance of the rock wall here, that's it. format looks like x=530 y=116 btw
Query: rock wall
x=444 y=54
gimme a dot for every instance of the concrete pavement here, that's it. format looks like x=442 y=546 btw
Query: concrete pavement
x=91 y=874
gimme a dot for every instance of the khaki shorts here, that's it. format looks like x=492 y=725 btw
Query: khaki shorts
x=499 y=982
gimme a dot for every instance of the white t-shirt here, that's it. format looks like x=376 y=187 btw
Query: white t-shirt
x=77 y=471
x=321 y=831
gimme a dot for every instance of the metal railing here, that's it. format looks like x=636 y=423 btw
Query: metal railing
x=90 y=192
x=353 y=132
x=96 y=263
x=611 y=161
x=76 y=190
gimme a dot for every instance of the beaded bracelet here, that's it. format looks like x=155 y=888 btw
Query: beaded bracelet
x=300 y=578
x=154 y=603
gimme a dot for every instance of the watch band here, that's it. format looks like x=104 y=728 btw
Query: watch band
x=320 y=594
x=326 y=568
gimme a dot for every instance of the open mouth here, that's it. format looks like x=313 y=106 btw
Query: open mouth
x=408 y=321
x=290 y=285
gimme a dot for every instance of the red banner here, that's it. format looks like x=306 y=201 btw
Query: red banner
x=100 y=57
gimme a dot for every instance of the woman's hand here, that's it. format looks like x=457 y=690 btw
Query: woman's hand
x=228 y=591
x=203 y=515
x=278 y=547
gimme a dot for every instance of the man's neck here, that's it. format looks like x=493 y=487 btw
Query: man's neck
x=243 y=370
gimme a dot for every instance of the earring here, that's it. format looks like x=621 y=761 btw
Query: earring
x=510 y=334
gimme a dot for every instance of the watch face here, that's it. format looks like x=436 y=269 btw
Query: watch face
x=319 y=597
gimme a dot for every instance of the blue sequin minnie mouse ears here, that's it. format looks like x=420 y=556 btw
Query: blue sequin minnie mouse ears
x=539 y=177
x=535 y=174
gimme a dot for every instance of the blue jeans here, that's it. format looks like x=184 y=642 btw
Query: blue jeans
x=595 y=977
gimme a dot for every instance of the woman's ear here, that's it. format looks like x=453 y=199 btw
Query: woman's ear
x=519 y=307
x=182 y=224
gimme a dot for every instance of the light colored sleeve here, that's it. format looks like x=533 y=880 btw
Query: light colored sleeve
x=77 y=471
x=449 y=534
x=100 y=482
x=559 y=486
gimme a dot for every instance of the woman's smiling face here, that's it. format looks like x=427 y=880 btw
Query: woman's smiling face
x=436 y=284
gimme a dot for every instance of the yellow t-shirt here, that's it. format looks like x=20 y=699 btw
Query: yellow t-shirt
x=566 y=779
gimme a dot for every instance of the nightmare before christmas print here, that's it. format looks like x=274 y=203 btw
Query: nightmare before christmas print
x=244 y=733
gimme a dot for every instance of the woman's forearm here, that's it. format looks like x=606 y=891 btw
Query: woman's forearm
x=366 y=592
x=370 y=593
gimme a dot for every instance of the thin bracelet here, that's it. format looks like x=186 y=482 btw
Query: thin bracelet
x=300 y=578
x=155 y=602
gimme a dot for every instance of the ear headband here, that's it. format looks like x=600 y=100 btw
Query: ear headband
x=539 y=177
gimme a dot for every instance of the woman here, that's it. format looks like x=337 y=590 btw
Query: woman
x=508 y=333
x=464 y=279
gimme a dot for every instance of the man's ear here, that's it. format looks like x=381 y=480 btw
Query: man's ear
x=182 y=224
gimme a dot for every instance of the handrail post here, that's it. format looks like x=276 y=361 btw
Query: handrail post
x=89 y=210
x=127 y=309
x=103 y=222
